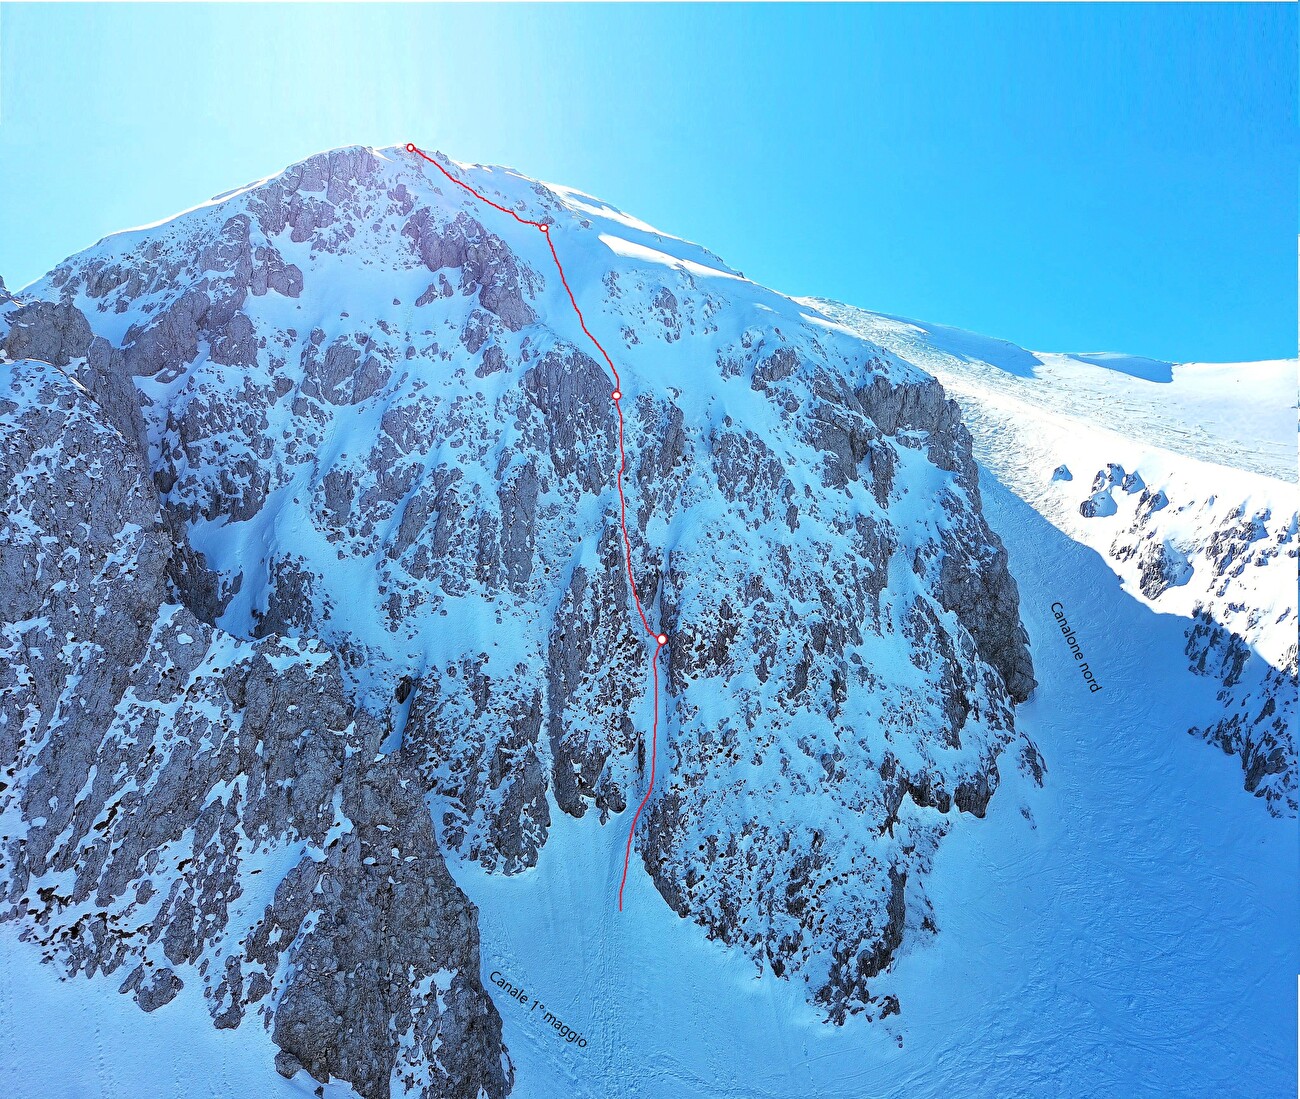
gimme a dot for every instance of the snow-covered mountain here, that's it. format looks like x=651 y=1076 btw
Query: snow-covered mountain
x=316 y=620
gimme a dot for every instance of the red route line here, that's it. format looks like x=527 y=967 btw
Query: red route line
x=660 y=639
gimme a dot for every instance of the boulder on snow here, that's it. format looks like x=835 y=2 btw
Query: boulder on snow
x=1108 y=478
x=1098 y=505
x=1150 y=502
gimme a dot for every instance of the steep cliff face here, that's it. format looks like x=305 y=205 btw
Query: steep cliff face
x=184 y=812
x=371 y=419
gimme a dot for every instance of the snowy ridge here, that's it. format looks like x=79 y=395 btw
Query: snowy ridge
x=1241 y=415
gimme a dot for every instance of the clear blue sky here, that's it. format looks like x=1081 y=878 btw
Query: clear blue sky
x=1071 y=178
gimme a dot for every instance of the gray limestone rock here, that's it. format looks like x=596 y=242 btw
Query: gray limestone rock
x=1162 y=567
x=1260 y=707
x=152 y=765
x=49 y=332
x=391 y=935
x=486 y=263
x=974 y=578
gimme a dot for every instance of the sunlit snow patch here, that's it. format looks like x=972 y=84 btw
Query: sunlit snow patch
x=629 y=250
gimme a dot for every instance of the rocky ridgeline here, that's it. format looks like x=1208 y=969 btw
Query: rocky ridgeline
x=371 y=420
x=1221 y=556
x=184 y=810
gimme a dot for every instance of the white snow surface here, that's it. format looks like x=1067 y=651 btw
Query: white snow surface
x=78 y=1039
x=1240 y=415
x=1219 y=440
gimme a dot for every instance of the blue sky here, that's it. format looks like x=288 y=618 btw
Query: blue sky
x=1074 y=177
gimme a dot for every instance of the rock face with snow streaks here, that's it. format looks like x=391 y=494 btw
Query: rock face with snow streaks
x=384 y=455
x=1224 y=559
x=187 y=813
x=1192 y=503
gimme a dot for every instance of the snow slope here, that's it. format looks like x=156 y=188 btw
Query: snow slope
x=372 y=412
x=1240 y=415
x=72 y=1039
x=1187 y=487
x=1128 y=929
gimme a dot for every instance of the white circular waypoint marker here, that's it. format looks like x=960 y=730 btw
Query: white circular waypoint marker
x=617 y=394
x=543 y=228
x=662 y=639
